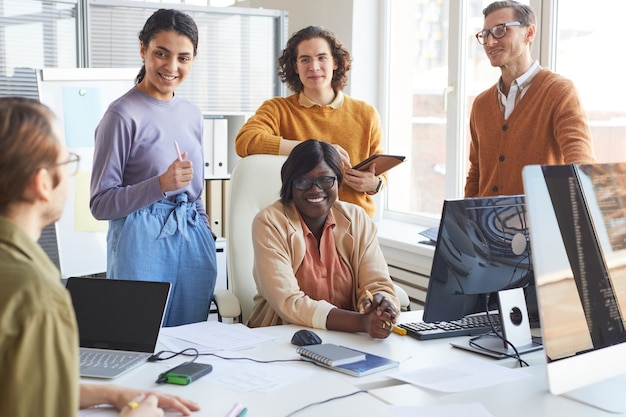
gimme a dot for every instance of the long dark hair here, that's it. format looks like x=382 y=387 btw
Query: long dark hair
x=305 y=157
x=167 y=19
x=287 y=60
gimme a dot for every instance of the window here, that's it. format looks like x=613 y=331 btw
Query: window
x=35 y=34
x=447 y=68
x=235 y=69
x=234 y=72
x=588 y=52
x=428 y=122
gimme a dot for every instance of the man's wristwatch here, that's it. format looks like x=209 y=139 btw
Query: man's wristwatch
x=378 y=187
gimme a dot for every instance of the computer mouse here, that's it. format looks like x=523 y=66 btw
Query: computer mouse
x=305 y=337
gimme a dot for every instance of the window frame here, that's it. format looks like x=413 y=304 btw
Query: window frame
x=457 y=158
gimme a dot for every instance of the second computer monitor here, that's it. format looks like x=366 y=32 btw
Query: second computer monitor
x=482 y=248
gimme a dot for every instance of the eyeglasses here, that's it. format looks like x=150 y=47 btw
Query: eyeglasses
x=72 y=164
x=323 y=183
x=498 y=32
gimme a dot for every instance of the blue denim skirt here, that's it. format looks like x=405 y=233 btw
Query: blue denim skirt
x=167 y=242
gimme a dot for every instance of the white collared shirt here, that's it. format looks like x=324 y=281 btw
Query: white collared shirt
x=519 y=86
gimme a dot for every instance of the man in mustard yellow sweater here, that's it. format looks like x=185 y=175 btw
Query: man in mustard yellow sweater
x=314 y=65
x=531 y=116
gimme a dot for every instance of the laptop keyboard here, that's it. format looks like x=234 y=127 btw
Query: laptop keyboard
x=467 y=326
x=110 y=360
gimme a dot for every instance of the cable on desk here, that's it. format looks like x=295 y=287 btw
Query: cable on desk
x=324 y=402
x=495 y=332
x=171 y=354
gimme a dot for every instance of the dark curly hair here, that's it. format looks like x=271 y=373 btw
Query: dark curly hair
x=287 y=59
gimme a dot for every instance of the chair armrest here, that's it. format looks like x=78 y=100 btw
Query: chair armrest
x=403 y=297
x=227 y=304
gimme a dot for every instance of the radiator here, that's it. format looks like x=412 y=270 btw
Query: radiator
x=409 y=267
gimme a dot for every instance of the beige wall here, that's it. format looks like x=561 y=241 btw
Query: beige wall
x=356 y=24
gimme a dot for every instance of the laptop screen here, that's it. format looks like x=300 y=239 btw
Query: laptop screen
x=118 y=314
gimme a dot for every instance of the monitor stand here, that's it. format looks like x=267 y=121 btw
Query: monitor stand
x=515 y=329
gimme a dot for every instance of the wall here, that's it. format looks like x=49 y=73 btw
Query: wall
x=356 y=23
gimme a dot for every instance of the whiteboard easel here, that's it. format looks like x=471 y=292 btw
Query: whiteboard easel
x=79 y=98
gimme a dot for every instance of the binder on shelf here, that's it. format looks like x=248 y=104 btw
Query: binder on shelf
x=215 y=144
x=225 y=200
x=214 y=206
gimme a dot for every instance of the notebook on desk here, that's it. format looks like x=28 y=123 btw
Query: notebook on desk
x=361 y=364
x=118 y=322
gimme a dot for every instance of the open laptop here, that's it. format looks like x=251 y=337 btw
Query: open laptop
x=118 y=322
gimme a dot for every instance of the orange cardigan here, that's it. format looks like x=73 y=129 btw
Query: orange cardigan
x=548 y=126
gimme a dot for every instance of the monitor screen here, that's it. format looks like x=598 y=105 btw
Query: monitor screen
x=482 y=248
x=577 y=215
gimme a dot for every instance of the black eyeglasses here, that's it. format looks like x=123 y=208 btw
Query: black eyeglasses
x=498 y=32
x=323 y=183
x=72 y=164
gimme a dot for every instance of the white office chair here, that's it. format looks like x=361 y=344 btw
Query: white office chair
x=254 y=184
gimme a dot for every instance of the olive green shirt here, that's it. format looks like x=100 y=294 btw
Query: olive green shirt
x=38 y=332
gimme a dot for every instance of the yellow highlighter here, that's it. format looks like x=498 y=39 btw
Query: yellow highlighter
x=394 y=328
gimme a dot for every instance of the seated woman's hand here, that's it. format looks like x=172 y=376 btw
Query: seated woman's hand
x=381 y=304
x=380 y=315
x=378 y=324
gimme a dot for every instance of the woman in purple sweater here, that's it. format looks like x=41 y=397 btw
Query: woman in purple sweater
x=144 y=186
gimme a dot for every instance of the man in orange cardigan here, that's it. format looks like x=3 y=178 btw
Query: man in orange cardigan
x=531 y=116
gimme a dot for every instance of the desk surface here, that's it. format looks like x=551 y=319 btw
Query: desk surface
x=528 y=396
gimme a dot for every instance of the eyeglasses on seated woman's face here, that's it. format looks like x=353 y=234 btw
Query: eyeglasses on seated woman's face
x=323 y=183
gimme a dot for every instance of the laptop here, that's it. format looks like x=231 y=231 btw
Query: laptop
x=118 y=322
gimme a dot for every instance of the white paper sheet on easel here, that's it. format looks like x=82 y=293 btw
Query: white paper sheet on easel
x=461 y=376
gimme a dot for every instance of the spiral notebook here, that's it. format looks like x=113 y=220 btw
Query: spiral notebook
x=331 y=354
x=367 y=364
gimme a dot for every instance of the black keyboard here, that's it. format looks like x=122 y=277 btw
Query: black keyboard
x=467 y=326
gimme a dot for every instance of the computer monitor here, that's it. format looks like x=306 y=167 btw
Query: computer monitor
x=577 y=216
x=482 y=250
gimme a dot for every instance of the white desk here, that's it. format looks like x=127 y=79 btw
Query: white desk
x=526 y=397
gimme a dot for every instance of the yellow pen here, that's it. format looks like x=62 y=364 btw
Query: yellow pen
x=133 y=404
x=394 y=328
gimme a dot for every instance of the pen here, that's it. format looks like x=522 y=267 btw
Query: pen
x=243 y=412
x=394 y=328
x=133 y=404
x=236 y=410
x=180 y=157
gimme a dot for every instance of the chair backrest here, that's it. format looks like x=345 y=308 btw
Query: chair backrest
x=254 y=184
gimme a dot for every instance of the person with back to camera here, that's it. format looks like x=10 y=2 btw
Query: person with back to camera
x=314 y=65
x=158 y=226
x=316 y=257
x=530 y=116
x=38 y=329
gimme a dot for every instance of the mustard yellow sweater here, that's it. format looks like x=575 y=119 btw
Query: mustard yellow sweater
x=548 y=126
x=354 y=125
